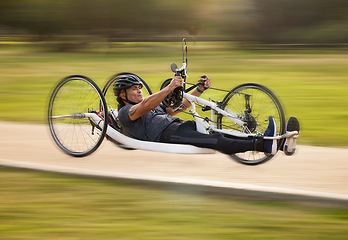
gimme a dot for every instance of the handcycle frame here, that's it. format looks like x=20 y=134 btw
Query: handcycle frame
x=101 y=122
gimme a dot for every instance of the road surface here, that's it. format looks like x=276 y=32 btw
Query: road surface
x=312 y=169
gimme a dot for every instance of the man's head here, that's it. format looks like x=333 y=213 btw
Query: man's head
x=127 y=89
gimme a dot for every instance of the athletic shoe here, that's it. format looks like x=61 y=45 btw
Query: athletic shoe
x=289 y=144
x=270 y=145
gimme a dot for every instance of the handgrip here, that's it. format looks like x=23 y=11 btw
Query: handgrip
x=202 y=83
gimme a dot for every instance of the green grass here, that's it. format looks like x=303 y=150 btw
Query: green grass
x=37 y=205
x=311 y=84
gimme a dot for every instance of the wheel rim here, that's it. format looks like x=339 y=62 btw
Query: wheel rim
x=76 y=136
x=263 y=104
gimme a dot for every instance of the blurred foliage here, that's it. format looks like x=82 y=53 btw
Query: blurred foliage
x=36 y=205
x=302 y=21
x=80 y=22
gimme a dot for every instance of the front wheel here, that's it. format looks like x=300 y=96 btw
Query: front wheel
x=253 y=103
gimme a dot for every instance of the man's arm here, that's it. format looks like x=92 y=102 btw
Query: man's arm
x=152 y=101
x=186 y=104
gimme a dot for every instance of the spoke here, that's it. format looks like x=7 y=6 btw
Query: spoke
x=262 y=104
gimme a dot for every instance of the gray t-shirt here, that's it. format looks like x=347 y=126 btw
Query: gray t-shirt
x=148 y=127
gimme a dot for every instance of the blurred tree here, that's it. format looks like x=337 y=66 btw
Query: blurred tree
x=267 y=21
x=232 y=19
x=293 y=20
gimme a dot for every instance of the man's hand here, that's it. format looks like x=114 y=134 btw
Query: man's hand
x=206 y=81
x=177 y=81
x=197 y=92
x=152 y=101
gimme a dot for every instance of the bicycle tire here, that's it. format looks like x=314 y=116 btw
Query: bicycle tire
x=263 y=103
x=76 y=94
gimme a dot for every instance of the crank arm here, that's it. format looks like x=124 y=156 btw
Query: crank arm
x=293 y=134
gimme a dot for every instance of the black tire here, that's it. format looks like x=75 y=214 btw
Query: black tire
x=109 y=94
x=263 y=103
x=78 y=136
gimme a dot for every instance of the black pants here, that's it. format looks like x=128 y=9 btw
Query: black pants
x=186 y=133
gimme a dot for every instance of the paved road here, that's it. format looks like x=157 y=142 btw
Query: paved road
x=314 y=169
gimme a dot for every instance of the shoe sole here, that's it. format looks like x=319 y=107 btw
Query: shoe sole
x=293 y=125
x=290 y=143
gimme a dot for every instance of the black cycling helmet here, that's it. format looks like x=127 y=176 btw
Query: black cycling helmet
x=124 y=82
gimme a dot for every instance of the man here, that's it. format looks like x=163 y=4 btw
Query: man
x=148 y=119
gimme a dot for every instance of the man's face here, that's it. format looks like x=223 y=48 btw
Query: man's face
x=134 y=93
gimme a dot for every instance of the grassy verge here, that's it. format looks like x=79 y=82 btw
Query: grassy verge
x=36 y=205
x=312 y=84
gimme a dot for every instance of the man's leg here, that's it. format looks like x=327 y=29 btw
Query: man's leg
x=187 y=134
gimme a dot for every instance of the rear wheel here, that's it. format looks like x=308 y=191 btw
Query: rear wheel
x=75 y=134
x=253 y=103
